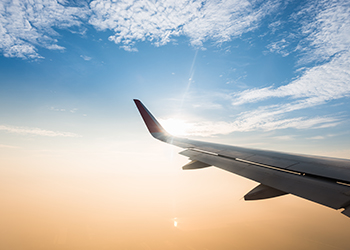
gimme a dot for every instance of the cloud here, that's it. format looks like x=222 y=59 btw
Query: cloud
x=57 y=109
x=319 y=31
x=36 y=131
x=316 y=86
x=328 y=33
x=86 y=58
x=319 y=137
x=284 y=137
x=73 y=110
x=275 y=26
x=27 y=24
x=279 y=47
x=161 y=21
x=207 y=105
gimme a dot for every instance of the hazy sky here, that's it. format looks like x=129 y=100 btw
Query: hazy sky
x=78 y=169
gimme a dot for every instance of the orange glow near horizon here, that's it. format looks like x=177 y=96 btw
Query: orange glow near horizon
x=100 y=200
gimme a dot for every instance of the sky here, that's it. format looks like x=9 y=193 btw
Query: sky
x=78 y=169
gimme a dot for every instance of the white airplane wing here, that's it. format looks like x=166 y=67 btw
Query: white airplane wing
x=322 y=180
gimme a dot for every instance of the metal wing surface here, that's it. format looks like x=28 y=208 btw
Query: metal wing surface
x=323 y=180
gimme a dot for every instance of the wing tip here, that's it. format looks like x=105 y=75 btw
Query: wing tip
x=151 y=122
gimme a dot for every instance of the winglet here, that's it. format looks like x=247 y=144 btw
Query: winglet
x=151 y=122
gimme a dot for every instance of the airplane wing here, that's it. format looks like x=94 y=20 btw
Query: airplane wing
x=322 y=180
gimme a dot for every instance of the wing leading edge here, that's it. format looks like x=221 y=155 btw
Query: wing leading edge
x=320 y=179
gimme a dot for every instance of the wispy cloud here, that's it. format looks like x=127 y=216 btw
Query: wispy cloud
x=36 y=131
x=317 y=85
x=275 y=26
x=207 y=105
x=161 y=21
x=72 y=110
x=86 y=58
x=57 y=109
x=279 y=47
x=26 y=24
x=327 y=33
x=318 y=137
x=284 y=137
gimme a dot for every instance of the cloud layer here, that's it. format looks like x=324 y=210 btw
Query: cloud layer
x=28 y=24
x=36 y=131
x=160 y=21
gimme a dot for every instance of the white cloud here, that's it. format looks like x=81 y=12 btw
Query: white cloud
x=36 y=131
x=73 y=110
x=26 y=24
x=275 y=26
x=319 y=137
x=316 y=86
x=279 y=47
x=207 y=105
x=86 y=58
x=328 y=33
x=284 y=137
x=161 y=21
x=57 y=109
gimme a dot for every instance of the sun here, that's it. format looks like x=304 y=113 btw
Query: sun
x=176 y=126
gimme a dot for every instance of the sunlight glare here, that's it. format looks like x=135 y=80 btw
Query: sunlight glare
x=175 y=222
x=176 y=126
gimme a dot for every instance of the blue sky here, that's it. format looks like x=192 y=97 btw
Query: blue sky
x=262 y=74
x=257 y=66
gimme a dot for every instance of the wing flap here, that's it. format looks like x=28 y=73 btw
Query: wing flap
x=195 y=165
x=272 y=161
x=263 y=192
x=337 y=173
x=346 y=212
